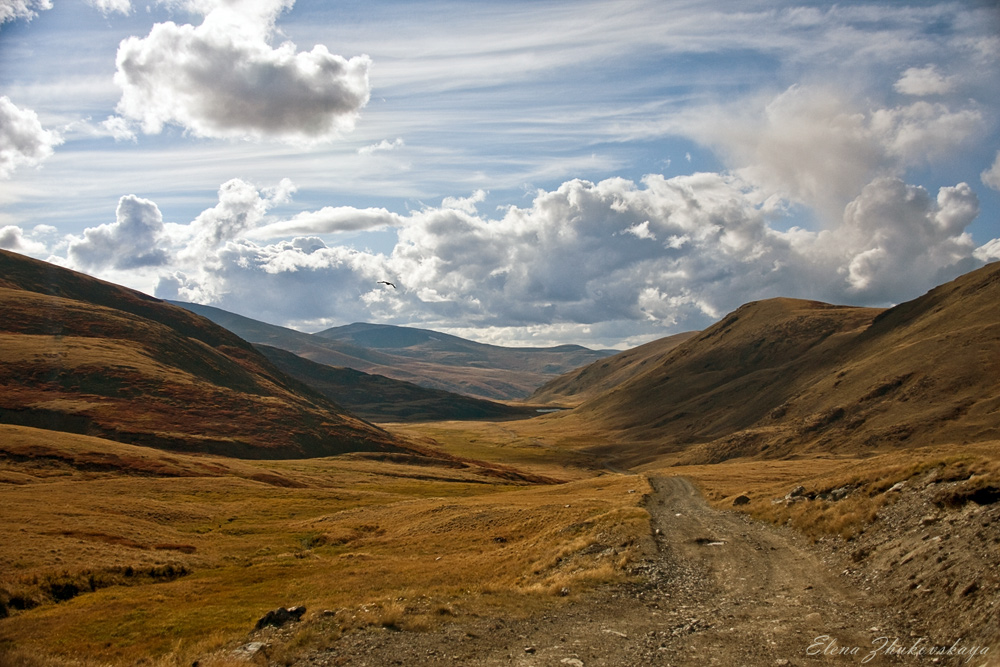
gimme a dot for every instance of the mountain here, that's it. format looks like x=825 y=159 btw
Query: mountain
x=784 y=376
x=426 y=358
x=87 y=356
x=378 y=398
x=600 y=376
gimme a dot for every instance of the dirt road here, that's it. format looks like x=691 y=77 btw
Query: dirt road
x=720 y=590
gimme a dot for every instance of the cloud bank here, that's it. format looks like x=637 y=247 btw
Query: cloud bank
x=223 y=79
x=635 y=258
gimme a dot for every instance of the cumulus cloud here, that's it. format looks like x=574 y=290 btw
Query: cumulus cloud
x=132 y=241
x=991 y=177
x=23 y=140
x=13 y=238
x=897 y=234
x=11 y=10
x=921 y=81
x=813 y=146
x=615 y=257
x=224 y=79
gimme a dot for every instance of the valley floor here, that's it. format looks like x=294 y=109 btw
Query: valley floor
x=719 y=588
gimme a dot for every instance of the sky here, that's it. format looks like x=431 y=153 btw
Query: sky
x=526 y=173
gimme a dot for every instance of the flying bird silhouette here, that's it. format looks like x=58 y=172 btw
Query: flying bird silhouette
x=386 y=282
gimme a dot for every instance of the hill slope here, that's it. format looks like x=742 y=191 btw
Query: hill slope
x=427 y=358
x=784 y=376
x=379 y=398
x=601 y=376
x=86 y=356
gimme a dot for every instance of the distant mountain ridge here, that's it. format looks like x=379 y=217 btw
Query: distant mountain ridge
x=420 y=356
x=86 y=356
x=382 y=399
x=786 y=376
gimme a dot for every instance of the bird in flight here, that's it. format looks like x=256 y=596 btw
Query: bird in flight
x=386 y=282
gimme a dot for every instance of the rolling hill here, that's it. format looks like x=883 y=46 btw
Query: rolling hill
x=378 y=398
x=783 y=377
x=600 y=376
x=86 y=356
x=426 y=358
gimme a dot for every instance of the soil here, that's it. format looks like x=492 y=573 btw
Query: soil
x=719 y=589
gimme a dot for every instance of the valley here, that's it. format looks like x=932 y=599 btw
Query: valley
x=796 y=471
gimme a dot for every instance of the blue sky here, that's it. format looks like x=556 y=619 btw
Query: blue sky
x=527 y=173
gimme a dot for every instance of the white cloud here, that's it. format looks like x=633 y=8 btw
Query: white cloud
x=11 y=10
x=133 y=241
x=330 y=219
x=223 y=79
x=813 y=146
x=921 y=81
x=640 y=230
x=988 y=251
x=900 y=238
x=13 y=238
x=109 y=6
x=467 y=204
x=382 y=146
x=241 y=208
x=23 y=140
x=922 y=131
x=991 y=176
x=119 y=128
x=615 y=256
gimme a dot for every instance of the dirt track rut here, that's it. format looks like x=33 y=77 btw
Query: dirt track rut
x=720 y=590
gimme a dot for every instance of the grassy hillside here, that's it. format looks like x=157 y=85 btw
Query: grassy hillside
x=600 y=376
x=781 y=377
x=117 y=554
x=426 y=358
x=85 y=356
x=378 y=398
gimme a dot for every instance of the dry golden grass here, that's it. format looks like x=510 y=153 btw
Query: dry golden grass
x=113 y=553
x=523 y=444
x=975 y=467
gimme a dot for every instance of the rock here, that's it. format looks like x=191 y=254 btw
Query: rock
x=741 y=500
x=564 y=591
x=970 y=589
x=249 y=651
x=898 y=486
x=840 y=493
x=280 y=616
x=529 y=649
x=797 y=492
x=572 y=662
